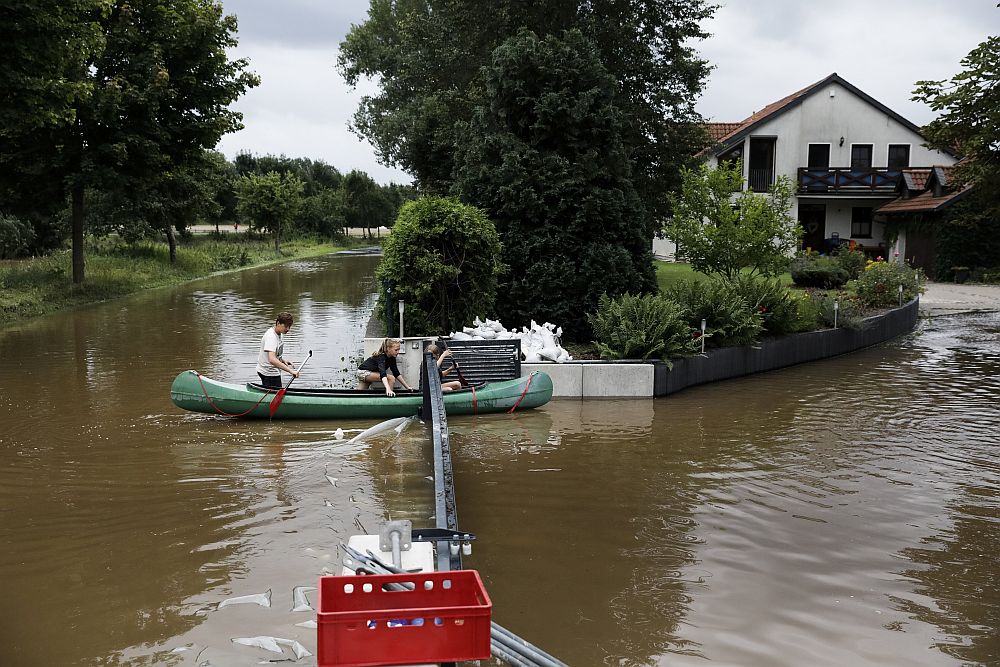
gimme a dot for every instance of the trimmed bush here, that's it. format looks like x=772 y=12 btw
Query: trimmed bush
x=443 y=261
x=728 y=317
x=640 y=327
x=878 y=285
x=822 y=272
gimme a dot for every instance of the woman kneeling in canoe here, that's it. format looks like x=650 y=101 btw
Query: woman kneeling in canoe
x=381 y=366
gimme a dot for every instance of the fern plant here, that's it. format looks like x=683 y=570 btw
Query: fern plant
x=640 y=327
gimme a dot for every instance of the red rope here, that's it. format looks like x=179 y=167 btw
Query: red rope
x=223 y=412
x=526 y=385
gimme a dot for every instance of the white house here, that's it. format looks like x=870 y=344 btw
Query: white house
x=845 y=152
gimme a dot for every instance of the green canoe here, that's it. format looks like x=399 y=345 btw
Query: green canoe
x=198 y=393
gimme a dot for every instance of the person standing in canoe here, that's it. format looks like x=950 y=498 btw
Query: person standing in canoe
x=270 y=363
x=381 y=366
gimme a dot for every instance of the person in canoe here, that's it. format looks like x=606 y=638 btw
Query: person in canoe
x=270 y=363
x=381 y=366
x=439 y=357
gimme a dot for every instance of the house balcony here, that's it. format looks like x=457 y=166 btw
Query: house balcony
x=848 y=181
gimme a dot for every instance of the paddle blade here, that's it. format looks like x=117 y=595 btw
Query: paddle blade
x=276 y=401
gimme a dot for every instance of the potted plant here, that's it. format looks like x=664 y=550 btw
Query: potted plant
x=961 y=273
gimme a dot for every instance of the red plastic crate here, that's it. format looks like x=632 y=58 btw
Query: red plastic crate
x=445 y=618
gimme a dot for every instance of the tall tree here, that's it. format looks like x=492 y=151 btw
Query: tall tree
x=969 y=120
x=158 y=83
x=545 y=158
x=427 y=54
x=269 y=202
x=47 y=45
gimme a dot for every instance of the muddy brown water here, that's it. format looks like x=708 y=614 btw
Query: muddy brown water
x=844 y=512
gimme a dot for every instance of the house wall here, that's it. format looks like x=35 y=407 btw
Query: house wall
x=825 y=117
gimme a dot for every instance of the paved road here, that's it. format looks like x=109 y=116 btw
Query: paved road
x=949 y=299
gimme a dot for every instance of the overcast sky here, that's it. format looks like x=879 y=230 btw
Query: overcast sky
x=762 y=50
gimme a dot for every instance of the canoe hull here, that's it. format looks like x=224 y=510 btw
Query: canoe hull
x=198 y=393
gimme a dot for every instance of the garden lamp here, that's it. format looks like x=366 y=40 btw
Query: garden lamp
x=836 y=307
x=402 y=307
x=900 y=295
x=703 y=323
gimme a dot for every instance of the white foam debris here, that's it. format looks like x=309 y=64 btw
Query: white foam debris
x=263 y=599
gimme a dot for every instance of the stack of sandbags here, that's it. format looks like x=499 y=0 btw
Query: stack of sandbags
x=538 y=343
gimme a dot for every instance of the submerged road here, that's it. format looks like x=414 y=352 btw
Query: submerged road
x=951 y=299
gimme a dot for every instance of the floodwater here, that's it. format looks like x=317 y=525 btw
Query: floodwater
x=845 y=512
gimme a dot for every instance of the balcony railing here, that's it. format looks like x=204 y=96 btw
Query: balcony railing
x=760 y=180
x=844 y=180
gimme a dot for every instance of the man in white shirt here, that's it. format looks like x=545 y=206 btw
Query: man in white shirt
x=269 y=360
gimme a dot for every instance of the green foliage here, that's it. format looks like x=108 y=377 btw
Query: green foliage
x=729 y=319
x=721 y=234
x=640 y=327
x=968 y=119
x=878 y=285
x=543 y=156
x=269 y=202
x=818 y=271
x=443 y=259
x=133 y=93
x=16 y=237
x=966 y=236
x=426 y=57
x=782 y=311
x=841 y=309
x=851 y=261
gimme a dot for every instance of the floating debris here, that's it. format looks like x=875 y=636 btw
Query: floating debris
x=299 y=600
x=263 y=599
x=395 y=424
x=274 y=645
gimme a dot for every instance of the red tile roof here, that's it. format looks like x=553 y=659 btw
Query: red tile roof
x=719 y=130
x=916 y=179
x=925 y=202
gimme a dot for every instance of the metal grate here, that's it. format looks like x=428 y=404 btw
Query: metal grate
x=486 y=360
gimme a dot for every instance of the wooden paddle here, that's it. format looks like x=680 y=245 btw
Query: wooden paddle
x=276 y=401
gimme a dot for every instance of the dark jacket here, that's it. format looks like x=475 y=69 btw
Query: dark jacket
x=379 y=363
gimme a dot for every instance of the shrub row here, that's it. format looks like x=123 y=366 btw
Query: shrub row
x=735 y=312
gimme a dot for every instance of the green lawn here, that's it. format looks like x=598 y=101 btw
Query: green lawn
x=668 y=273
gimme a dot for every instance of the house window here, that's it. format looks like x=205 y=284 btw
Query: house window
x=819 y=156
x=861 y=222
x=861 y=156
x=899 y=156
x=761 y=168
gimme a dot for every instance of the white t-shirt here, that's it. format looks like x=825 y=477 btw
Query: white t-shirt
x=271 y=341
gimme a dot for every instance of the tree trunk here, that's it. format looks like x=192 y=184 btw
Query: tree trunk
x=277 y=237
x=77 y=223
x=172 y=242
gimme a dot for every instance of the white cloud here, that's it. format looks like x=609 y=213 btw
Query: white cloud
x=765 y=51
x=302 y=109
x=762 y=51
